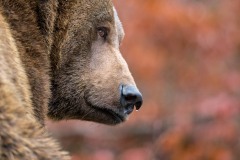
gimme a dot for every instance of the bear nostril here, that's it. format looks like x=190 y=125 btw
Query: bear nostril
x=138 y=105
x=130 y=97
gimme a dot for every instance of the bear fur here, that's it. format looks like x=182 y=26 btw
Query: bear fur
x=58 y=58
x=22 y=135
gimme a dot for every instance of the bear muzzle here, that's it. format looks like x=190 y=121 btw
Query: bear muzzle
x=113 y=113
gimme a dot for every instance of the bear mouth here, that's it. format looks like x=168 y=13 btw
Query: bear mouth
x=110 y=113
x=113 y=117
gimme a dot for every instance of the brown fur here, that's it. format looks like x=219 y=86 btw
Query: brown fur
x=87 y=68
x=21 y=136
x=51 y=53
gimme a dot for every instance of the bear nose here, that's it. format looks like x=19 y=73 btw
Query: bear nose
x=130 y=97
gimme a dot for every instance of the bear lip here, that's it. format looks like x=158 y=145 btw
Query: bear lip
x=117 y=117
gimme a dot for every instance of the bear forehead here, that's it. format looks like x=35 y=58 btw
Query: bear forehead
x=91 y=10
x=118 y=24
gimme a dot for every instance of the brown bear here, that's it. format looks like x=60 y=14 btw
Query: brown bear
x=59 y=58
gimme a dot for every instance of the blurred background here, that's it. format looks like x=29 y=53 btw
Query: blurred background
x=185 y=58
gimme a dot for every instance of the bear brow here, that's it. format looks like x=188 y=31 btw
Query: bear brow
x=104 y=17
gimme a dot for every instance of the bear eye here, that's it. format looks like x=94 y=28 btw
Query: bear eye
x=103 y=32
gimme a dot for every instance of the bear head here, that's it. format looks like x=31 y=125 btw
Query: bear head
x=90 y=79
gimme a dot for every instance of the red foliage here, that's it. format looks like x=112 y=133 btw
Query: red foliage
x=185 y=57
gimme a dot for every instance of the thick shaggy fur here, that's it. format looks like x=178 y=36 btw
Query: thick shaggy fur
x=21 y=135
x=54 y=61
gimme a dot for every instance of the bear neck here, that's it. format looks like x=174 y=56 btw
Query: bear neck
x=32 y=26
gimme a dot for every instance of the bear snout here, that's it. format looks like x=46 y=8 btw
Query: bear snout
x=130 y=97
